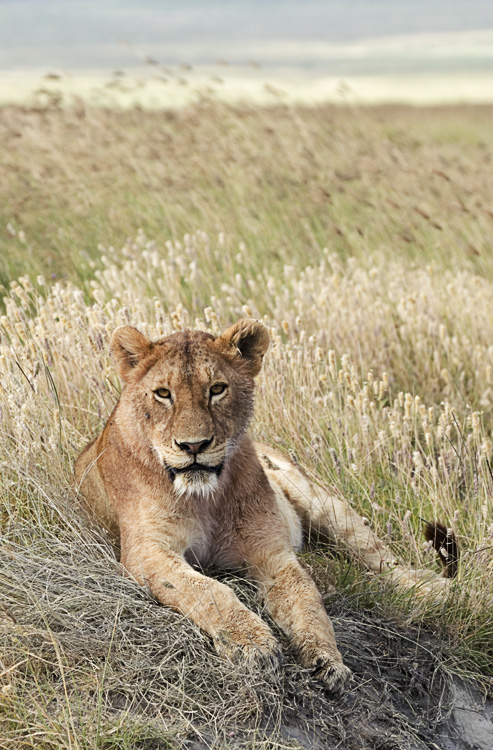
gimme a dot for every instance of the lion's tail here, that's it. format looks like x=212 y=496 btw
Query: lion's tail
x=445 y=543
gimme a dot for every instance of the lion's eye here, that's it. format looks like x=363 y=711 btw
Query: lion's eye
x=217 y=389
x=163 y=393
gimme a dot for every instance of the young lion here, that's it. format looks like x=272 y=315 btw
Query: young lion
x=176 y=475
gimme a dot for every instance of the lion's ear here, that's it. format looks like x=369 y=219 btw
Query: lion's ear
x=248 y=338
x=129 y=346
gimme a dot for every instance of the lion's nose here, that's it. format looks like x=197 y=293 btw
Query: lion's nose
x=194 y=448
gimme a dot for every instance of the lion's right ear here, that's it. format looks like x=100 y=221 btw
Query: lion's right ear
x=129 y=346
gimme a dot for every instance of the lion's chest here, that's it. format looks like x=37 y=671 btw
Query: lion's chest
x=210 y=541
x=200 y=546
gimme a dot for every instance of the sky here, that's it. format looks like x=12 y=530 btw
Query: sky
x=414 y=50
x=77 y=35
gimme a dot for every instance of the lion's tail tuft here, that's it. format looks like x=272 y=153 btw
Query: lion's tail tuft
x=445 y=543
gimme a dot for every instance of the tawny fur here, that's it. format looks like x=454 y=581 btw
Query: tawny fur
x=187 y=402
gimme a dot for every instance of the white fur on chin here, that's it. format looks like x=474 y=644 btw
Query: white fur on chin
x=201 y=483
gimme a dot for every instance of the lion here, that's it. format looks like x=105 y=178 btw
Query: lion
x=177 y=478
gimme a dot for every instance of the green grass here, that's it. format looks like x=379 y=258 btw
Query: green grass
x=285 y=181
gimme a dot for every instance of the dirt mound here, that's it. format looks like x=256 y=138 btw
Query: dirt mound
x=78 y=634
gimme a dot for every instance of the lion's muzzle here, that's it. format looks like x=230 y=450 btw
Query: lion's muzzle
x=194 y=448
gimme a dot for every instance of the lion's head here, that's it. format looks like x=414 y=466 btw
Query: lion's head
x=188 y=398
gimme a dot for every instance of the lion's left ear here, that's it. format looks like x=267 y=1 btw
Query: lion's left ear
x=248 y=338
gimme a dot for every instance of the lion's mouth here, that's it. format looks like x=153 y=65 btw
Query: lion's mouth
x=192 y=469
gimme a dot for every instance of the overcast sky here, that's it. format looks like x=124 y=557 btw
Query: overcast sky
x=74 y=34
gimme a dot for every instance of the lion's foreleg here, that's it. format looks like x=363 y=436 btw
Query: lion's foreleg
x=294 y=602
x=212 y=606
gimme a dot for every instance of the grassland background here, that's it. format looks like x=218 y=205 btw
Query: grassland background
x=363 y=238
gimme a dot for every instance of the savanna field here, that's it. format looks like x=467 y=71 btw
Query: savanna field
x=363 y=239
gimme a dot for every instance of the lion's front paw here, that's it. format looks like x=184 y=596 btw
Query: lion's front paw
x=255 y=649
x=335 y=676
x=328 y=669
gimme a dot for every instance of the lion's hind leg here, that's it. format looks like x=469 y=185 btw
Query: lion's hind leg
x=329 y=517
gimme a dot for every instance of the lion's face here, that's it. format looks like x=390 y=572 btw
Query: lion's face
x=189 y=398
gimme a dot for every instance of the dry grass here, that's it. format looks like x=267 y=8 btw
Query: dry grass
x=379 y=381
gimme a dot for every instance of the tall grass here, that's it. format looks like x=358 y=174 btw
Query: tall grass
x=379 y=382
x=287 y=181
